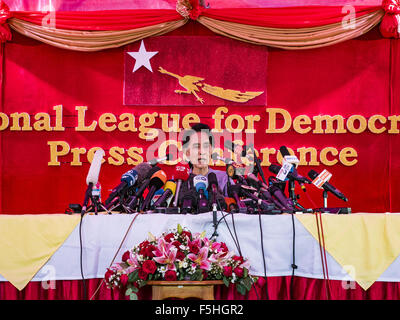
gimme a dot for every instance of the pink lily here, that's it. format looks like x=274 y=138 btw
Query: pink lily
x=201 y=259
x=165 y=254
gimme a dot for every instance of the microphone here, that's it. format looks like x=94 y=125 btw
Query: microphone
x=181 y=174
x=94 y=170
x=188 y=201
x=157 y=180
x=282 y=202
x=249 y=192
x=169 y=190
x=143 y=185
x=154 y=162
x=92 y=177
x=128 y=179
x=327 y=186
x=216 y=197
x=200 y=183
x=234 y=192
x=284 y=151
x=291 y=175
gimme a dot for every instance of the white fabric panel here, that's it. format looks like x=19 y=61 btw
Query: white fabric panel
x=103 y=234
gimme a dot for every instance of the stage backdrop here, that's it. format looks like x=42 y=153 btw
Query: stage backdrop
x=336 y=107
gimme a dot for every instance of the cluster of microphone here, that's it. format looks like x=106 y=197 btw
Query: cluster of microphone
x=146 y=188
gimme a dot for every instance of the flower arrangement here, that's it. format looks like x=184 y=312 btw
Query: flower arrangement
x=178 y=255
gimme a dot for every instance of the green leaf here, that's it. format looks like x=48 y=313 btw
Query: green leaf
x=226 y=281
x=179 y=228
x=245 y=272
x=134 y=276
x=247 y=283
x=128 y=291
x=241 y=289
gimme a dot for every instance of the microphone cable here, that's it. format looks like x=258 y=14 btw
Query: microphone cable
x=116 y=253
x=235 y=241
x=294 y=266
x=263 y=254
x=81 y=258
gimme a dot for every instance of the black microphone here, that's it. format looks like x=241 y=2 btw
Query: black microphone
x=283 y=203
x=143 y=186
x=234 y=192
x=128 y=179
x=92 y=177
x=291 y=175
x=169 y=190
x=200 y=183
x=327 y=186
x=188 y=202
x=156 y=182
x=249 y=192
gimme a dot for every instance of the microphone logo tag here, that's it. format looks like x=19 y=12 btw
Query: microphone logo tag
x=323 y=177
x=284 y=171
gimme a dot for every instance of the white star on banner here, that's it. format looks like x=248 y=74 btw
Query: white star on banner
x=142 y=57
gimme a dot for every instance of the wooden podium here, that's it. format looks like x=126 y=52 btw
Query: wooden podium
x=183 y=289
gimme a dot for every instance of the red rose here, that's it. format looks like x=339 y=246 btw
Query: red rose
x=193 y=248
x=186 y=233
x=144 y=244
x=123 y=279
x=224 y=247
x=126 y=256
x=149 y=266
x=149 y=251
x=238 y=271
x=176 y=243
x=227 y=271
x=142 y=274
x=180 y=255
x=169 y=237
x=108 y=275
x=237 y=258
x=170 y=275
x=205 y=274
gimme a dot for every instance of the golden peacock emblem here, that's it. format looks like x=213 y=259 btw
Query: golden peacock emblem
x=193 y=84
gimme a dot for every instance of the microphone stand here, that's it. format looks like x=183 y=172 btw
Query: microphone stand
x=325 y=196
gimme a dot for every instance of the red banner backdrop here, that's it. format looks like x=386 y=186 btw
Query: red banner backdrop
x=357 y=79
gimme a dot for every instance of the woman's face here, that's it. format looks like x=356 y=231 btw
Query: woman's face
x=199 y=149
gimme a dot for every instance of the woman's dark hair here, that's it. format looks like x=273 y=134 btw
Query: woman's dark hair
x=198 y=127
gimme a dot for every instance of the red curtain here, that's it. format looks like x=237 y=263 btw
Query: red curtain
x=102 y=20
x=294 y=17
x=278 y=289
x=291 y=17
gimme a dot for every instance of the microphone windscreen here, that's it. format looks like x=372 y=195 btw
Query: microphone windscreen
x=171 y=186
x=142 y=170
x=212 y=179
x=130 y=177
x=158 y=179
x=284 y=151
x=181 y=172
x=274 y=168
x=152 y=171
x=200 y=181
x=313 y=174
x=94 y=170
